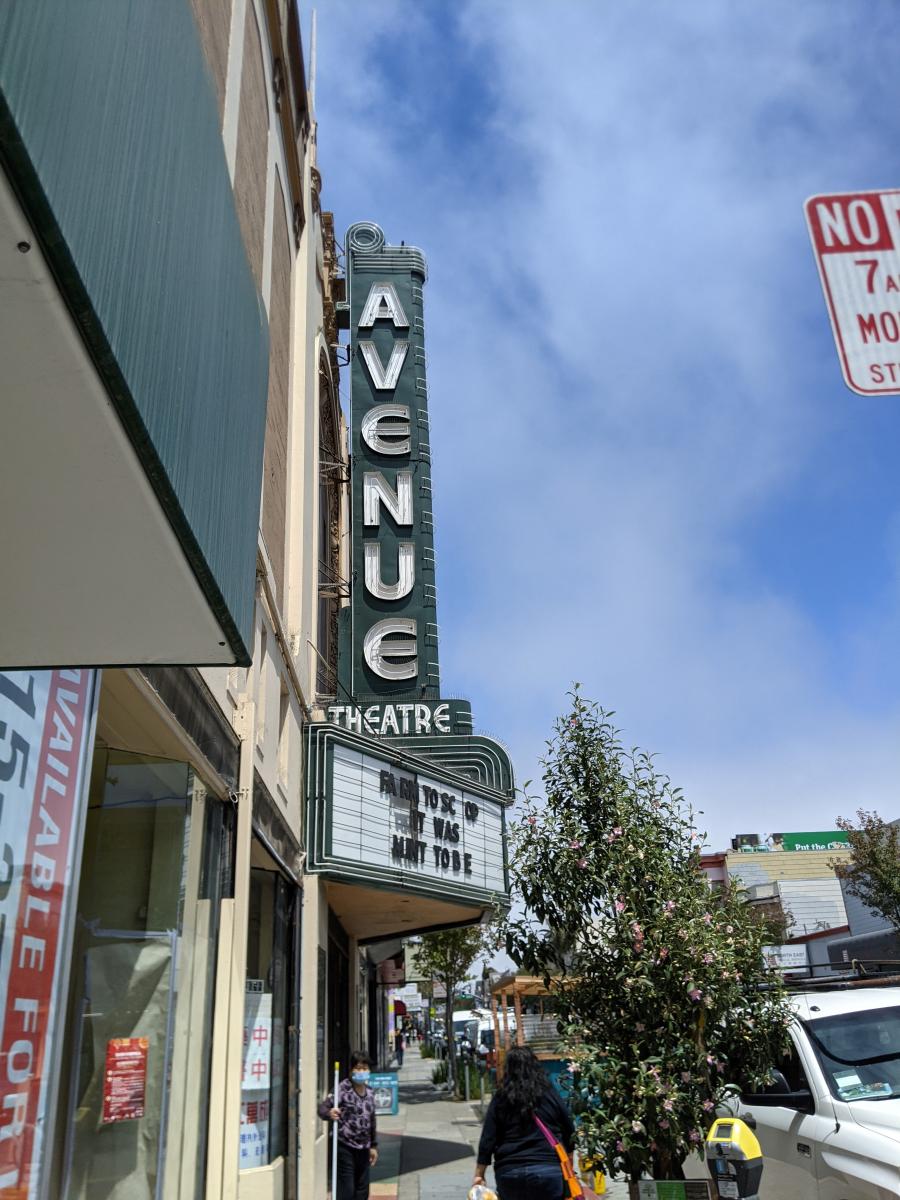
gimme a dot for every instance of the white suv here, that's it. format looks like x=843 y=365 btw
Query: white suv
x=830 y=1126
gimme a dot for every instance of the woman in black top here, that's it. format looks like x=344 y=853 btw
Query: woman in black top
x=526 y=1166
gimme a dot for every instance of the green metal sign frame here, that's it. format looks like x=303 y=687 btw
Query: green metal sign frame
x=322 y=739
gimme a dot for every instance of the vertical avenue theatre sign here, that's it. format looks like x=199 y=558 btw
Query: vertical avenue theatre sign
x=393 y=649
x=389 y=721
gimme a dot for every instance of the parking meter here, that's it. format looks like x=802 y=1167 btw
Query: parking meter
x=734 y=1158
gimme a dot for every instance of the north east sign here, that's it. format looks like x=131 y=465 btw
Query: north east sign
x=856 y=239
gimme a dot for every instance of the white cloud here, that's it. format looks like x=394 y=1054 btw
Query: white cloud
x=629 y=366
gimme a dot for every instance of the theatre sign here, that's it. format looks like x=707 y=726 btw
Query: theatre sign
x=403 y=822
x=401 y=791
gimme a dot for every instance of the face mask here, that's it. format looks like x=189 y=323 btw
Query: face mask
x=360 y=1076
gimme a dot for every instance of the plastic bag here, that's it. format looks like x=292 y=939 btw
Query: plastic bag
x=482 y=1192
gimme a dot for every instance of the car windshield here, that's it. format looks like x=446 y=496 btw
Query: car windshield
x=860 y=1053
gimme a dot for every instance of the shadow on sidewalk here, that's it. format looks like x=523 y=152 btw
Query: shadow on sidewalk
x=420 y=1153
x=419 y=1093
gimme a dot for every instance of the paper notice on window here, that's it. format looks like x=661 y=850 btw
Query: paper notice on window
x=257 y=1042
x=125 y=1079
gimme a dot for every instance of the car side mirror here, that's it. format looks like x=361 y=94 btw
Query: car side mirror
x=801 y=1101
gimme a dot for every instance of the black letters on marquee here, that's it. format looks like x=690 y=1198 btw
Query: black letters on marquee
x=412 y=849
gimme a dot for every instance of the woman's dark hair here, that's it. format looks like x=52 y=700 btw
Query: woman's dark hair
x=524 y=1081
x=359 y=1058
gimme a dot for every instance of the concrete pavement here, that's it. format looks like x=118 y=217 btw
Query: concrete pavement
x=427 y=1152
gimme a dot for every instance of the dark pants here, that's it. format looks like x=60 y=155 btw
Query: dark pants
x=399 y=1054
x=543 y=1182
x=352 y=1173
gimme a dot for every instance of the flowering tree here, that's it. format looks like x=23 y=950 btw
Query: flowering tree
x=658 y=977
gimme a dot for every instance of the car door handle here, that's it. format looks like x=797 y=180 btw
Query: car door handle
x=803 y=1149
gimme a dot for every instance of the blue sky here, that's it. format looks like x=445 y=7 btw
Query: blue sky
x=649 y=476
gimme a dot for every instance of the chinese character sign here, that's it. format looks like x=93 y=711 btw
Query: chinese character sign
x=254 y=1148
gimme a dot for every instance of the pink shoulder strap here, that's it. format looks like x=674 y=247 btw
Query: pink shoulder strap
x=545 y=1131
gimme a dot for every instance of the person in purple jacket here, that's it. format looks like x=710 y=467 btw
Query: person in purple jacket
x=354 y=1111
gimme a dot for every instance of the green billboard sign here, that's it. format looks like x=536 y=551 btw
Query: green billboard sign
x=832 y=839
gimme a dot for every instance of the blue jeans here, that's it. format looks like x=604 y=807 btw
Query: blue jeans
x=543 y=1182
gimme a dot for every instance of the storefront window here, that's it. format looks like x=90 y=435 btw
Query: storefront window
x=210 y=875
x=264 y=1093
x=141 y=986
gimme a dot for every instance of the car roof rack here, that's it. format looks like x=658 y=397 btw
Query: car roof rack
x=860 y=973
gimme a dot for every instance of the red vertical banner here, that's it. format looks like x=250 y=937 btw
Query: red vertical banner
x=45 y=718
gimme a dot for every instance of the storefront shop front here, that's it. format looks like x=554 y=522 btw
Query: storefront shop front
x=134 y=1077
x=267 y=1156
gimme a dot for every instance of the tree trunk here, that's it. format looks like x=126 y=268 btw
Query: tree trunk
x=667 y=1166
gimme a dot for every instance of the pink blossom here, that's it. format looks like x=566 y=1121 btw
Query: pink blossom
x=582 y=862
x=620 y=906
x=620 y=1146
x=532 y=820
x=695 y=1135
x=685 y=1077
x=573 y=1067
x=695 y=994
x=664 y=1124
x=729 y=929
x=668 y=1105
x=669 y=906
x=663 y=953
x=710 y=1060
x=575 y=845
x=618 y=830
x=638 y=1127
x=708 y=1106
x=707 y=918
x=707 y=958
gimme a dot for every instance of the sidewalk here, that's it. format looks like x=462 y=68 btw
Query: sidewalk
x=427 y=1152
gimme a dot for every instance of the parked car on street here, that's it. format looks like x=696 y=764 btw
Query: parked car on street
x=829 y=1125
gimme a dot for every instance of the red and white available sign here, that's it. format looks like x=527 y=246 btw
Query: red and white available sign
x=46 y=720
x=856 y=238
x=125 y=1079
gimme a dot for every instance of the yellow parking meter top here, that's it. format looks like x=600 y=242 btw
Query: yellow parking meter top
x=734 y=1139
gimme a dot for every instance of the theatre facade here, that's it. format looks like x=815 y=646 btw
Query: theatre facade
x=406 y=805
